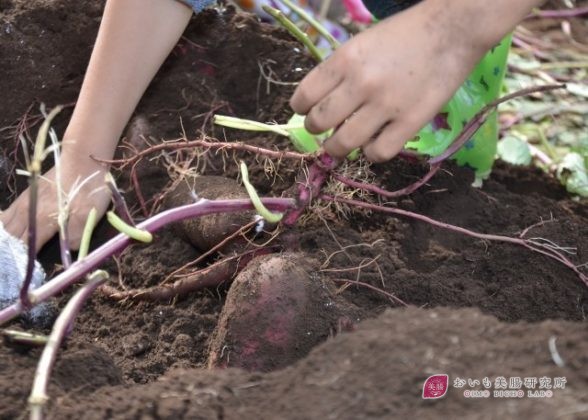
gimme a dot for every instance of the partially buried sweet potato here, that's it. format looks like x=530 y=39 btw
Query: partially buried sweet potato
x=207 y=231
x=276 y=311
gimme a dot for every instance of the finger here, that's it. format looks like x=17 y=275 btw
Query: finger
x=355 y=132
x=332 y=110
x=316 y=85
x=390 y=141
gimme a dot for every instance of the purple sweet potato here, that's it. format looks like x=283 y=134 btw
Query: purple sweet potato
x=206 y=232
x=276 y=311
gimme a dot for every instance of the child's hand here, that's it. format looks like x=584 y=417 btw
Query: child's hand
x=93 y=193
x=388 y=82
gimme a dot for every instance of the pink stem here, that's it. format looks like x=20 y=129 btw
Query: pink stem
x=475 y=123
x=119 y=242
x=516 y=241
x=310 y=186
x=559 y=14
x=517 y=42
x=389 y=194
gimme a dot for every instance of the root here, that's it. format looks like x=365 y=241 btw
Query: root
x=374 y=288
x=536 y=246
x=241 y=231
x=209 y=144
x=389 y=194
x=215 y=275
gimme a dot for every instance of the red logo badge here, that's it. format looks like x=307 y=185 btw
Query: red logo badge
x=435 y=386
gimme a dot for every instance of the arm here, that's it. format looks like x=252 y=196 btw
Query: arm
x=134 y=39
x=389 y=81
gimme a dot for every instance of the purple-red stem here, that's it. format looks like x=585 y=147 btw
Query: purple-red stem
x=93 y=260
x=310 y=186
x=475 y=123
x=32 y=241
x=384 y=193
x=120 y=205
x=64 y=247
x=516 y=241
x=518 y=42
x=559 y=14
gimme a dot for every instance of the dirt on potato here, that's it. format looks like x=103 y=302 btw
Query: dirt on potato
x=477 y=310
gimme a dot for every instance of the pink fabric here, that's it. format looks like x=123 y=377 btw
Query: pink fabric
x=357 y=10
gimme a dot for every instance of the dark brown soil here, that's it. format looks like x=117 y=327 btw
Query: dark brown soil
x=376 y=372
x=479 y=309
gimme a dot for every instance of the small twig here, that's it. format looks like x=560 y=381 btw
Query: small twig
x=358 y=268
x=535 y=225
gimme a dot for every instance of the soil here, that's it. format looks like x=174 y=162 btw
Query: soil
x=476 y=309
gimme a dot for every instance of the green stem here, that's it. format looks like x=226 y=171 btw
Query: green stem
x=130 y=231
x=304 y=15
x=87 y=234
x=295 y=31
x=261 y=209
x=250 y=125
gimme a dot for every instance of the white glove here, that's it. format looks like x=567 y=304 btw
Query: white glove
x=13 y=266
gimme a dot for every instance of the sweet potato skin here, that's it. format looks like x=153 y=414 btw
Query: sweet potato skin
x=207 y=231
x=276 y=311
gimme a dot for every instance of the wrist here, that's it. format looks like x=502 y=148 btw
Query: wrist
x=77 y=155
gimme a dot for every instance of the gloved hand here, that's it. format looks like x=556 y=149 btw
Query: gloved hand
x=13 y=260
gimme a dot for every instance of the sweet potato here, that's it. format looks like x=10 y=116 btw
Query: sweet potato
x=206 y=232
x=276 y=311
